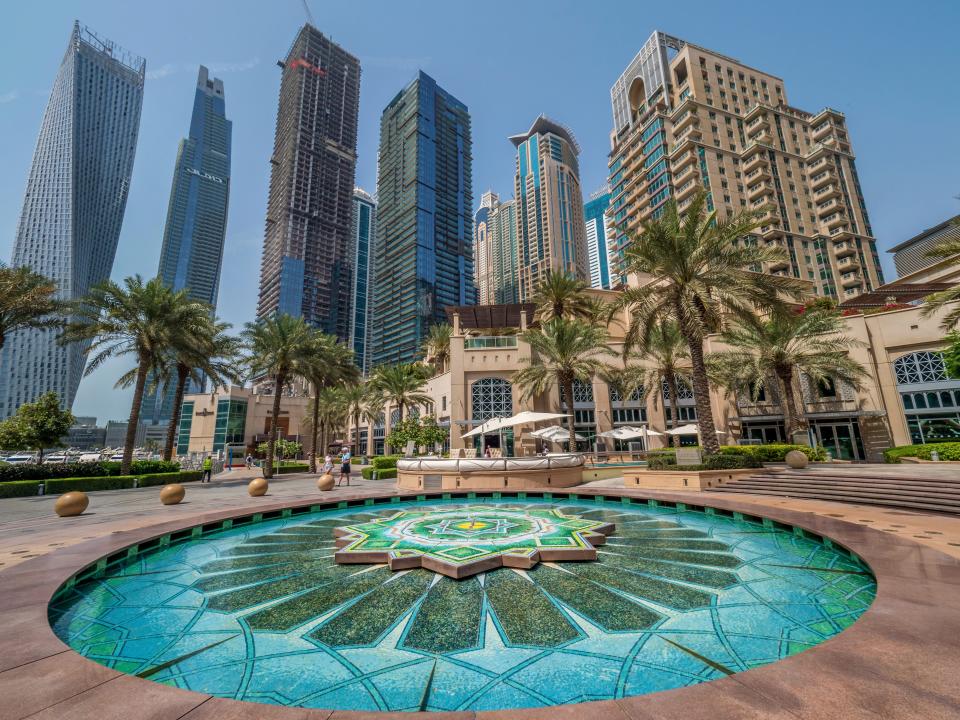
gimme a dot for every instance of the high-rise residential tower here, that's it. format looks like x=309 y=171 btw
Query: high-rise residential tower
x=551 y=236
x=687 y=118
x=192 y=251
x=594 y=214
x=307 y=264
x=74 y=203
x=364 y=227
x=495 y=247
x=423 y=254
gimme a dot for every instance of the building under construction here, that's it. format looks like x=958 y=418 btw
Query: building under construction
x=307 y=264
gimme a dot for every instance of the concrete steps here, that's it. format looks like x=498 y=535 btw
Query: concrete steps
x=854 y=487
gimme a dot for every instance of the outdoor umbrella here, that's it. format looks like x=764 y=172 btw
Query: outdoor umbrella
x=689 y=429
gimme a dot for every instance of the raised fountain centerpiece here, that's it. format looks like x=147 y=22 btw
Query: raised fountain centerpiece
x=466 y=540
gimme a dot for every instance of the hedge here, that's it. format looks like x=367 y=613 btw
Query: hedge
x=88 y=484
x=167 y=478
x=291 y=468
x=384 y=462
x=775 y=452
x=34 y=471
x=945 y=451
x=384 y=474
x=710 y=462
x=19 y=488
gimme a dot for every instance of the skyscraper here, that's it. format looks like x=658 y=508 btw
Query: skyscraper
x=423 y=255
x=687 y=118
x=495 y=246
x=594 y=215
x=74 y=203
x=307 y=264
x=364 y=227
x=550 y=226
x=192 y=251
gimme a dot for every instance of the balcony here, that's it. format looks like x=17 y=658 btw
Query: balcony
x=772 y=230
x=685 y=120
x=832 y=205
x=686 y=142
x=489 y=342
x=760 y=125
x=761 y=173
x=683 y=161
x=850 y=279
x=821 y=131
x=827 y=192
x=755 y=192
x=691 y=133
x=687 y=189
x=835 y=220
x=688 y=171
x=779 y=266
x=842 y=249
x=754 y=161
x=850 y=262
x=769 y=215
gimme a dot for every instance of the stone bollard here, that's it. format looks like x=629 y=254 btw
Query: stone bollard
x=796 y=459
x=71 y=504
x=172 y=494
x=325 y=482
x=258 y=487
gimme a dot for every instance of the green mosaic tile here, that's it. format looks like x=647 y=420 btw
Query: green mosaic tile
x=659 y=591
x=526 y=615
x=449 y=617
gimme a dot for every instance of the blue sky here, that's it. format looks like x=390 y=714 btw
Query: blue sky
x=891 y=67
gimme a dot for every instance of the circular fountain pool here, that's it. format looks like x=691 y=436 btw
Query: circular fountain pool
x=272 y=612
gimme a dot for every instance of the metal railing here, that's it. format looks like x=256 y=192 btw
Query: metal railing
x=486 y=342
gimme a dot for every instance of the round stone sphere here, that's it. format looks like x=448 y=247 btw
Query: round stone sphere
x=325 y=482
x=258 y=487
x=172 y=494
x=71 y=504
x=796 y=459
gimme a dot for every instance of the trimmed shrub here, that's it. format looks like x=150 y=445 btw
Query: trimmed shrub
x=32 y=471
x=19 y=488
x=383 y=462
x=291 y=468
x=167 y=478
x=356 y=460
x=945 y=451
x=774 y=452
x=87 y=484
x=710 y=462
x=384 y=474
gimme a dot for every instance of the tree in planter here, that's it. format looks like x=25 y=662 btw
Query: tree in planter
x=277 y=346
x=142 y=319
x=701 y=268
x=431 y=434
x=38 y=425
x=564 y=350
x=284 y=448
x=403 y=432
x=781 y=346
x=436 y=346
x=28 y=300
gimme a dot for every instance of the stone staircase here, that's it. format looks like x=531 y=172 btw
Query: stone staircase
x=889 y=488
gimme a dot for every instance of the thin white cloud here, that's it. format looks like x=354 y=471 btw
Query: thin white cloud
x=169 y=69
x=9 y=97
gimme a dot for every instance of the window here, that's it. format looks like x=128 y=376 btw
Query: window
x=920 y=367
x=491 y=397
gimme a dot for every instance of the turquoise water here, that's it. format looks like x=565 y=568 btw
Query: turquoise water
x=263 y=613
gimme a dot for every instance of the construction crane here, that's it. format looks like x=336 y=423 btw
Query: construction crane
x=306 y=10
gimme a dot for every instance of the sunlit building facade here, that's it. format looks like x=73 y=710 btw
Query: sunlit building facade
x=364 y=227
x=495 y=246
x=594 y=214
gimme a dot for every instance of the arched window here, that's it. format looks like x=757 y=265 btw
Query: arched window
x=635 y=397
x=491 y=397
x=582 y=393
x=920 y=367
x=684 y=391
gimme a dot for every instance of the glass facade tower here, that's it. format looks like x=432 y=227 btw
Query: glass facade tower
x=594 y=215
x=423 y=254
x=307 y=264
x=74 y=203
x=364 y=227
x=192 y=252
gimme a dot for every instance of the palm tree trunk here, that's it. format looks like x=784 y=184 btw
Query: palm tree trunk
x=134 y=420
x=568 y=394
x=674 y=409
x=791 y=416
x=356 y=431
x=183 y=372
x=701 y=397
x=275 y=428
x=313 y=431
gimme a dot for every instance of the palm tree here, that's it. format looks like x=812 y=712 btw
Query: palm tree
x=564 y=350
x=700 y=269
x=938 y=300
x=779 y=348
x=355 y=398
x=28 y=300
x=213 y=355
x=276 y=347
x=327 y=363
x=143 y=319
x=668 y=358
x=561 y=295
x=401 y=385
x=373 y=404
x=436 y=346
x=333 y=410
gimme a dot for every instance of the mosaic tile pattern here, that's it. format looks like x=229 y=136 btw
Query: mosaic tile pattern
x=262 y=613
x=463 y=540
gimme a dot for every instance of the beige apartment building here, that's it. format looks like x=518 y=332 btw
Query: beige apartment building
x=687 y=118
x=551 y=233
x=495 y=250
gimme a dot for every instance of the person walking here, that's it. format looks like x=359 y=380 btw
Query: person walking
x=344 y=466
x=207 y=469
x=249 y=461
